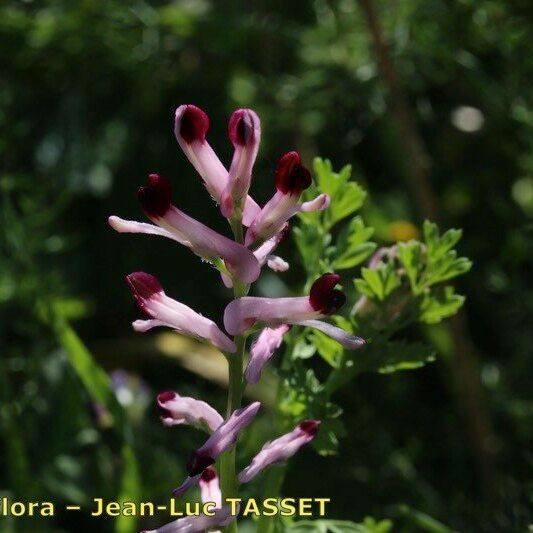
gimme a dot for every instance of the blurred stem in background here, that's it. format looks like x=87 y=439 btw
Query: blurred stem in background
x=465 y=365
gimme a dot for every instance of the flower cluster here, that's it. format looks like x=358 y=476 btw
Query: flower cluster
x=257 y=232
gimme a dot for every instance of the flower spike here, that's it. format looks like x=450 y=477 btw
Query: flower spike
x=281 y=449
x=191 y=125
x=177 y=410
x=292 y=178
x=165 y=311
x=245 y=135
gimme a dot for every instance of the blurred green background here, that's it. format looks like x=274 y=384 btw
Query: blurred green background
x=431 y=101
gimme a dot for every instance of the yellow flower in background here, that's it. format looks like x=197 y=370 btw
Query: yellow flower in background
x=403 y=230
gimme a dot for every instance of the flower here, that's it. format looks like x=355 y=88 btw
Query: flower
x=243 y=313
x=177 y=410
x=198 y=524
x=292 y=178
x=210 y=487
x=262 y=350
x=155 y=199
x=164 y=311
x=223 y=439
x=280 y=449
x=245 y=135
x=190 y=128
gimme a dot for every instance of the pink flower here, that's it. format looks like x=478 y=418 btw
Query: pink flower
x=292 y=178
x=245 y=135
x=281 y=449
x=155 y=199
x=177 y=410
x=198 y=524
x=164 y=311
x=262 y=350
x=210 y=487
x=243 y=313
x=190 y=127
x=223 y=439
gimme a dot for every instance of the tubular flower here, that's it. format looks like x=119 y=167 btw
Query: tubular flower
x=155 y=199
x=223 y=439
x=292 y=178
x=190 y=128
x=281 y=449
x=262 y=350
x=164 y=311
x=245 y=135
x=198 y=524
x=177 y=410
x=210 y=487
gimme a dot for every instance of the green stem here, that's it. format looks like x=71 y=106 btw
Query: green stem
x=228 y=477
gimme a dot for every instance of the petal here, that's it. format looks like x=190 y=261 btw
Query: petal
x=210 y=487
x=222 y=439
x=190 y=481
x=245 y=135
x=178 y=410
x=263 y=252
x=262 y=350
x=165 y=311
x=130 y=226
x=242 y=313
x=351 y=342
x=198 y=524
x=280 y=449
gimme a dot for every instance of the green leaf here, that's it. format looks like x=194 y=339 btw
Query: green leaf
x=438 y=246
x=346 y=196
x=130 y=490
x=330 y=350
x=326 y=443
x=446 y=268
x=410 y=256
x=352 y=245
x=392 y=356
x=310 y=243
x=440 y=304
x=378 y=282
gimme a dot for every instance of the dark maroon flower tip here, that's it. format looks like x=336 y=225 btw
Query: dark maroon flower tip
x=156 y=197
x=209 y=474
x=241 y=127
x=198 y=463
x=323 y=297
x=193 y=124
x=166 y=396
x=143 y=285
x=310 y=427
x=291 y=176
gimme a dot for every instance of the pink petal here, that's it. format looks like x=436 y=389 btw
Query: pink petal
x=280 y=449
x=351 y=342
x=320 y=203
x=277 y=264
x=168 y=312
x=262 y=350
x=177 y=410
